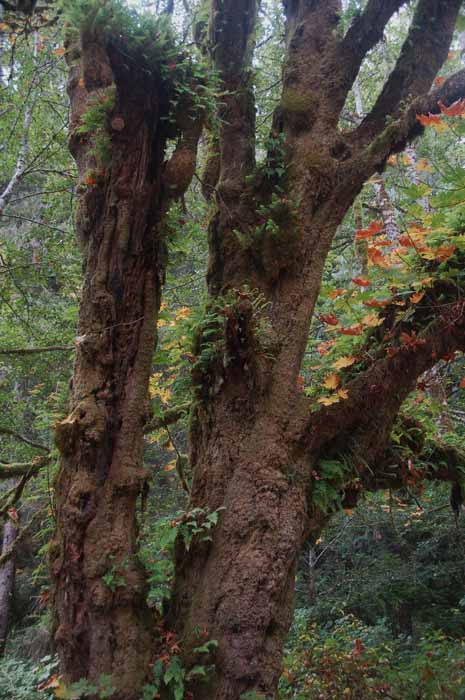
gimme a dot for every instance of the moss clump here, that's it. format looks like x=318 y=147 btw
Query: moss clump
x=295 y=101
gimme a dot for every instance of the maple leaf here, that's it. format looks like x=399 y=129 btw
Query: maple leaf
x=352 y=330
x=52 y=682
x=332 y=381
x=337 y=293
x=329 y=400
x=324 y=348
x=416 y=297
x=60 y=51
x=424 y=166
x=170 y=466
x=376 y=303
x=411 y=340
x=377 y=258
x=372 y=320
x=361 y=281
x=365 y=233
x=343 y=362
x=462 y=383
x=455 y=110
x=343 y=394
x=329 y=319
x=428 y=119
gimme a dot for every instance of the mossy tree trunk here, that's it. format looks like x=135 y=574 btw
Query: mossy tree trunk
x=7 y=580
x=255 y=444
x=102 y=624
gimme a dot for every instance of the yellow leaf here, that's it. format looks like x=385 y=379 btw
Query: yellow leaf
x=329 y=400
x=332 y=381
x=170 y=466
x=60 y=51
x=372 y=320
x=343 y=362
x=343 y=394
x=183 y=313
x=162 y=322
x=424 y=166
x=441 y=126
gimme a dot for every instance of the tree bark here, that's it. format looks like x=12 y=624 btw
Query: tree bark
x=101 y=621
x=255 y=445
x=7 y=581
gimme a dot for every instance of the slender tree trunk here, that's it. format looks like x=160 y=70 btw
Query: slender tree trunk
x=7 y=581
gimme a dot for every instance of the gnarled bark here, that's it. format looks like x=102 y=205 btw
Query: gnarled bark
x=102 y=623
x=255 y=447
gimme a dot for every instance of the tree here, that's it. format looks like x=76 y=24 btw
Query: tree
x=257 y=449
x=121 y=89
x=266 y=466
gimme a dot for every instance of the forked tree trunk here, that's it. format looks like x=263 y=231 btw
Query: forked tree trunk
x=7 y=581
x=102 y=623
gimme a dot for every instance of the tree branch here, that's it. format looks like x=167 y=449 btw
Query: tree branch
x=9 y=470
x=23 y=438
x=364 y=33
x=423 y=53
x=35 y=351
x=362 y=423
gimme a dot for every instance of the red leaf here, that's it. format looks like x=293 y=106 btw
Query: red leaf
x=428 y=119
x=353 y=330
x=455 y=110
x=329 y=319
x=374 y=228
x=361 y=281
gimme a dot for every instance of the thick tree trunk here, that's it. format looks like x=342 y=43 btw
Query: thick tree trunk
x=7 y=581
x=102 y=623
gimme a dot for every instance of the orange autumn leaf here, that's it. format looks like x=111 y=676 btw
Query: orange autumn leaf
x=324 y=348
x=416 y=297
x=365 y=233
x=60 y=51
x=352 y=330
x=329 y=319
x=372 y=320
x=462 y=383
x=361 y=281
x=376 y=303
x=406 y=241
x=455 y=110
x=344 y=362
x=428 y=119
x=377 y=258
x=331 y=381
x=337 y=293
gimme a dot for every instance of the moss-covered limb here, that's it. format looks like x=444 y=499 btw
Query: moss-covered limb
x=9 y=470
x=423 y=53
x=364 y=33
x=376 y=394
x=36 y=351
x=23 y=438
x=168 y=417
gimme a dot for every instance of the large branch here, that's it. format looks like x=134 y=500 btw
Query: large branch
x=423 y=53
x=35 y=351
x=9 y=470
x=362 y=423
x=365 y=32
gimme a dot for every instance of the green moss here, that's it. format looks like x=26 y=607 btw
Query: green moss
x=295 y=101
